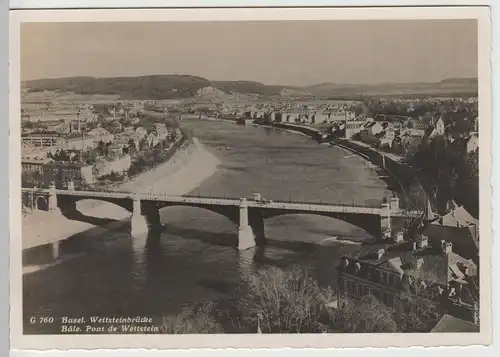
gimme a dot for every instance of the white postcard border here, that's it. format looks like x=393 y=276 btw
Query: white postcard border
x=44 y=342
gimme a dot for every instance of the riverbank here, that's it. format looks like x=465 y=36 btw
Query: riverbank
x=284 y=129
x=404 y=175
x=185 y=171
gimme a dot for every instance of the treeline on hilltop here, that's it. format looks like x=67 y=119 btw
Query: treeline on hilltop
x=149 y=87
x=145 y=87
x=157 y=87
x=249 y=87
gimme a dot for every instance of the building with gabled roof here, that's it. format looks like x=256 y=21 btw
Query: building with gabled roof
x=393 y=270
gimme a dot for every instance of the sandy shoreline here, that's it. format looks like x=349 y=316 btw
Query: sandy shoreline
x=185 y=171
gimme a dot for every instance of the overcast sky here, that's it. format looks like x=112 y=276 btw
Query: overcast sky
x=293 y=53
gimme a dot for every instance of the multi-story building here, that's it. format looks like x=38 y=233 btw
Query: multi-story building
x=161 y=131
x=80 y=143
x=87 y=114
x=101 y=134
x=117 y=149
x=62 y=172
x=387 y=138
x=353 y=127
x=42 y=139
x=117 y=164
x=34 y=165
x=394 y=270
x=143 y=132
x=374 y=127
x=152 y=140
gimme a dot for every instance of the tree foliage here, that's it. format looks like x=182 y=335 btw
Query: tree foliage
x=447 y=167
x=192 y=320
x=287 y=302
x=366 y=315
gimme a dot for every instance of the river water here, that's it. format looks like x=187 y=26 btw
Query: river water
x=195 y=257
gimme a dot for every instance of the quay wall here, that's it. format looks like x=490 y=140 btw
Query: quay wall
x=401 y=173
x=311 y=132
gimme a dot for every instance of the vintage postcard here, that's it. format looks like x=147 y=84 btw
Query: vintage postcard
x=266 y=179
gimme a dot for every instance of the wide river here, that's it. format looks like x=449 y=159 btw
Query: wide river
x=195 y=258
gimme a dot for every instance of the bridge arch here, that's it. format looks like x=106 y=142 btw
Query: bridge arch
x=369 y=223
x=68 y=204
x=230 y=212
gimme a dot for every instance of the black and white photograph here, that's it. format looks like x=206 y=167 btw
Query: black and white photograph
x=251 y=177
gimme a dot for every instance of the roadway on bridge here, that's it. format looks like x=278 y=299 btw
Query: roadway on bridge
x=220 y=201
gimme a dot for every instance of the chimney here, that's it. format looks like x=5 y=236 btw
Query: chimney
x=358 y=267
x=380 y=253
x=394 y=203
x=345 y=262
x=446 y=247
x=399 y=236
x=78 y=128
x=423 y=241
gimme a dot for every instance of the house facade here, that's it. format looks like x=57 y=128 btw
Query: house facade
x=62 y=172
x=393 y=272
x=101 y=134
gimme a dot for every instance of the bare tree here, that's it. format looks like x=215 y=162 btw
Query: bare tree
x=287 y=301
x=417 y=310
x=366 y=315
x=414 y=208
x=192 y=320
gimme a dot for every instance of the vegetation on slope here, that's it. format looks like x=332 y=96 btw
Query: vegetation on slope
x=156 y=87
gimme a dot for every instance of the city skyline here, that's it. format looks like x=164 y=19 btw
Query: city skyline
x=310 y=58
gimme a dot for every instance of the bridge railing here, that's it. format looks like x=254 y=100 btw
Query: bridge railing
x=323 y=203
x=116 y=193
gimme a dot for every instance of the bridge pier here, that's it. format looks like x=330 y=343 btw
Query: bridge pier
x=145 y=216
x=385 y=220
x=52 y=205
x=152 y=214
x=256 y=221
x=246 y=237
x=138 y=223
x=55 y=250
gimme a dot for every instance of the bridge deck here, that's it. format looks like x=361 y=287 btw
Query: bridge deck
x=219 y=201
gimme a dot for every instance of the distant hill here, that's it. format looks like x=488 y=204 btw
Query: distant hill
x=145 y=87
x=157 y=87
x=453 y=86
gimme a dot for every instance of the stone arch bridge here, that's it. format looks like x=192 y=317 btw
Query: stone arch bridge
x=247 y=214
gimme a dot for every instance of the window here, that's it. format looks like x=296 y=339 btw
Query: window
x=394 y=279
x=389 y=300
